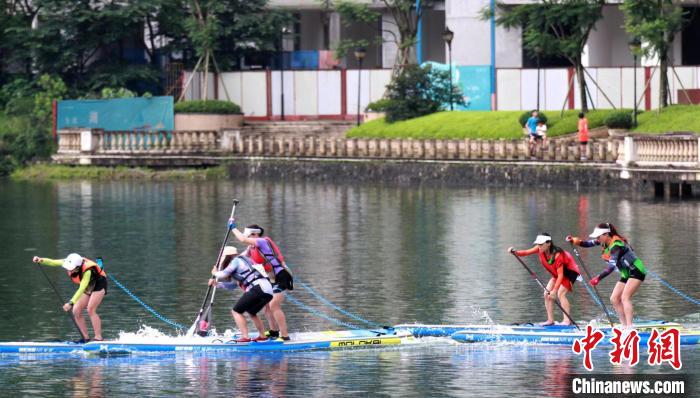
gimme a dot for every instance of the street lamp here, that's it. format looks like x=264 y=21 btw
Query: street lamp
x=538 y=52
x=448 y=35
x=285 y=31
x=634 y=45
x=360 y=53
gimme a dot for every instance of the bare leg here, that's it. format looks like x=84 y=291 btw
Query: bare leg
x=270 y=316
x=616 y=300
x=277 y=313
x=548 y=304
x=564 y=301
x=241 y=323
x=78 y=314
x=258 y=324
x=630 y=289
x=93 y=304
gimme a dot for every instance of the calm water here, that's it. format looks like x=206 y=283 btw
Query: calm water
x=393 y=255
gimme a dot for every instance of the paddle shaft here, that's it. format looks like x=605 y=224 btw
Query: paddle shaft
x=595 y=289
x=209 y=297
x=539 y=282
x=60 y=299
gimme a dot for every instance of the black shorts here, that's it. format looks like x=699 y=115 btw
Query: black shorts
x=572 y=276
x=99 y=284
x=536 y=137
x=583 y=142
x=634 y=273
x=252 y=301
x=283 y=281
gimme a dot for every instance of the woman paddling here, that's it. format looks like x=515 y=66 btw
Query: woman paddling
x=93 y=287
x=253 y=280
x=262 y=250
x=617 y=253
x=562 y=266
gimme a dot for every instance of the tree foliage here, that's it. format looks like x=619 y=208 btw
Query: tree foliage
x=554 y=28
x=655 y=23
x=419 y=91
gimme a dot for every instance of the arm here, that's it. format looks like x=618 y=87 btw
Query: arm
x=47 y=261
x=583 y=243
x=239 y=235
x=611 y=263
x=523 y=253
x=83 y=285
x=560 y=274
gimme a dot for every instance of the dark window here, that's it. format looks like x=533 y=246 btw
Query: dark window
x=690 y=37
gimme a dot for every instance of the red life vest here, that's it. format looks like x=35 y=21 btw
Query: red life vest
x=562 y=258
x=76 y=277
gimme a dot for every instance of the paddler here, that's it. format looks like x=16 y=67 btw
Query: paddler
x=92 y=281
x=618 y=254
x=242 y=271
x=562 y=266
x=262 y=250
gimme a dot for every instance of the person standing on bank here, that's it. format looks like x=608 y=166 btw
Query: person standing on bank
x=241 y=271
x=562 y=266
x=583 y=135
x=617 y=253
x=92 y=281
x=262 y=250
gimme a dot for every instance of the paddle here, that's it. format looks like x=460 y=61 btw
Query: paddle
x=203 y=319
x=595 y=289
x=60 y=299
x=539 y=282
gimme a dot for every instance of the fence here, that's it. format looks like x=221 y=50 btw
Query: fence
x=652 y=151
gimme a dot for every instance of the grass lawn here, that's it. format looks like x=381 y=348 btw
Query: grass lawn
x=504 y=124
x=61 y=172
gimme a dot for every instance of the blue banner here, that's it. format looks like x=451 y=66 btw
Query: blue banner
x=475 y=82
x=118 y=114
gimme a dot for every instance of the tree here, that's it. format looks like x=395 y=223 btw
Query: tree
x=554 y=28
x=405 y=20
x=419 y=91
x=655 y=23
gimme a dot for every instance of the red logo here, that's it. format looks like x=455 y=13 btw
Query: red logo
x=626 y=347
x=586 y=345
x=665 y=347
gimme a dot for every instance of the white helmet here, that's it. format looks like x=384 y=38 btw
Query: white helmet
x=73 y=261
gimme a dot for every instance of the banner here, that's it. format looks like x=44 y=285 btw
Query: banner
x=118 y=114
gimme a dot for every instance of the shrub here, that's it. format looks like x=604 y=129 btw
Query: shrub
x=208 y=106
x=619 y=120
x=419 y=91
x=526 y=115
x=378 y=105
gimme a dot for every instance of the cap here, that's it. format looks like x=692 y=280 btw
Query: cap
x=542 y=239
x=249 y=231
x=73 y=261
x=599 y=231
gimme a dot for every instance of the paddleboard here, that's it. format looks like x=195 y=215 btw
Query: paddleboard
x=690 y=337
x=425 y=330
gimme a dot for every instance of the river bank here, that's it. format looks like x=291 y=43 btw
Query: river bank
x=653 y=182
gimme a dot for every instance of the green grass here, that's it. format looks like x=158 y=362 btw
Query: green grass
x=504 y=124
x=62 y=172
x=674 y=118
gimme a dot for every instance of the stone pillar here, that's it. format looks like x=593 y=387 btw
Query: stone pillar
x=229 y=139
x=630 y=152
x=88 y=141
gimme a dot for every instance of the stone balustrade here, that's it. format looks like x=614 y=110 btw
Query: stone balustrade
x=637 y=150
x=655 y=151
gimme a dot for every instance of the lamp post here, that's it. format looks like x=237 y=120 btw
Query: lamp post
x=538 y=52
x=448 y=35
x=284 y=32
x=360 y=53
x=634 y=45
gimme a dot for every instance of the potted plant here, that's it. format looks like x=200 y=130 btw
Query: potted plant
x=618 y=123
x=207 y=115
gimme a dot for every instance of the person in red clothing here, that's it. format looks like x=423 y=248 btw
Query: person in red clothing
x=583 y=134
x=562 y=266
